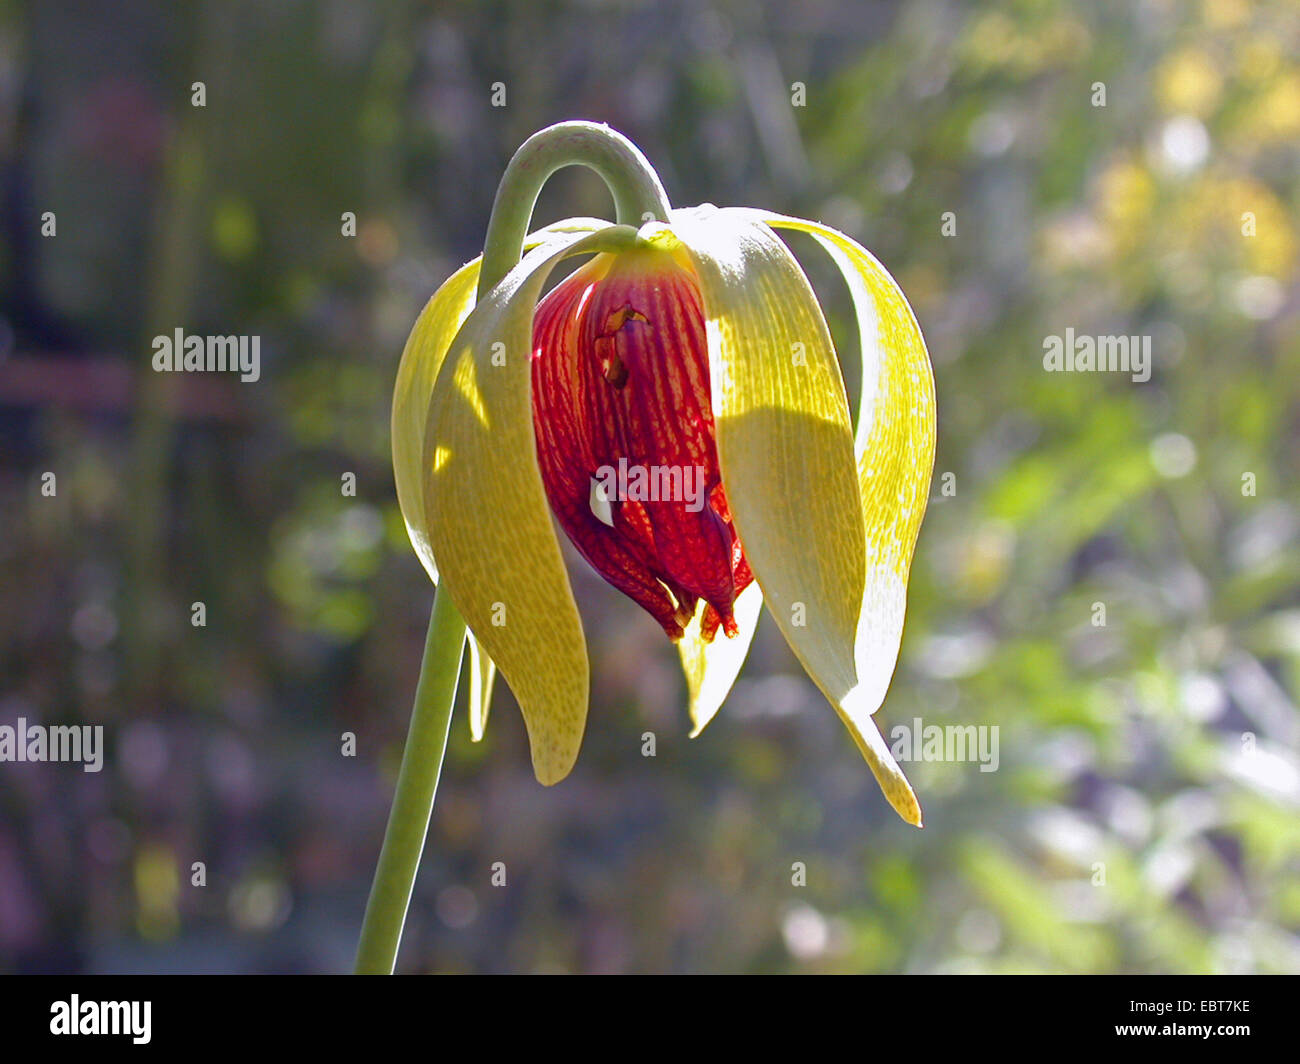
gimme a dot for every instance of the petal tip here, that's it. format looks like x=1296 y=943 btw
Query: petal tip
x=911 y=812
x=898 y=792
x=548 y=775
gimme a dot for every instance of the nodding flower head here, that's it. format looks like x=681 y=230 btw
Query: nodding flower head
x=677 y=404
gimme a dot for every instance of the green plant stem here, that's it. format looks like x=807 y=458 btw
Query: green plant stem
x=426 y=743
x=638 y=197
x=638 y=194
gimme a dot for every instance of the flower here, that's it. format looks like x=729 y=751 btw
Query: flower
x=695 y=346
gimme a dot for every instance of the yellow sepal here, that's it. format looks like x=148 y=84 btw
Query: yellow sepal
x=894 y=445
x=488 y=520
x=422 y=357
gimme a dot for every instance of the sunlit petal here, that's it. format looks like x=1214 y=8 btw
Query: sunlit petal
x=711 y=667
x=482 y=675
x=425 y=347
x=421 y=359
x=487 y=515
x=785 y=441
x=895 y=452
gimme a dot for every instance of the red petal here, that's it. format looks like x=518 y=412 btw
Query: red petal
x=621 y=383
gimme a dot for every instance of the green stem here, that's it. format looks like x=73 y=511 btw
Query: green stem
x=426 y=743
x=638 y=197
x=638 y=194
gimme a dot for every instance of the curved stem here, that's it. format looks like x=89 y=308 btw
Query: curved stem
x=408 y=822
x=638 y=197
x=638 y=194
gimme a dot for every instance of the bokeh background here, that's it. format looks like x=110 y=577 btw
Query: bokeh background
x=1164 y=745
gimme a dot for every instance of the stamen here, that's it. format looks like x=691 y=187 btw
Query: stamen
x=612 y=367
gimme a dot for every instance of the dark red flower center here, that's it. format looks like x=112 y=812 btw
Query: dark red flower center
x=625 y=439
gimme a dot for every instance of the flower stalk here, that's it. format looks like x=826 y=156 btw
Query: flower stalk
x=408 y=822
x=638 y=197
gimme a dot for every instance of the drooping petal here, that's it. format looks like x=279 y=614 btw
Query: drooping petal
x=785 y=441
x=421 y=359
x=711 y=666
x=418 y=369
x=482 y=675
x=487 y=515
x=895 y=450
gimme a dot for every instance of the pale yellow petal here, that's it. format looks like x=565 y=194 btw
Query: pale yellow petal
x=711 y=668
x=487 y=514
x=421 y=359
x=895 y=452
x=785 y=440
x=482 y=674
x=893 y=784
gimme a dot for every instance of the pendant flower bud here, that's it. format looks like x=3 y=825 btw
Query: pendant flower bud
x=677 y=405
x=621 y=382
